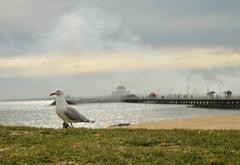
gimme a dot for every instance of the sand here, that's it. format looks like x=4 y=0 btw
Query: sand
x=226 y=122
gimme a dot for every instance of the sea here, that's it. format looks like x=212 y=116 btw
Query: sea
x=42 y=114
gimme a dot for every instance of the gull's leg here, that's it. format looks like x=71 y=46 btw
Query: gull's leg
x=65 y=125
x=72 y=125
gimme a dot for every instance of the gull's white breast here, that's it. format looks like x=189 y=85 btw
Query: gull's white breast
x=60 y=113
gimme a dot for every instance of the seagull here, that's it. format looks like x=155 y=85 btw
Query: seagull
x=67 y=113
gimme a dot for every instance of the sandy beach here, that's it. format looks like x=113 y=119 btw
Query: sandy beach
x=225 y=122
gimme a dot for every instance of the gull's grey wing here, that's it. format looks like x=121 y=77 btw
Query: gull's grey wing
x=74 y=115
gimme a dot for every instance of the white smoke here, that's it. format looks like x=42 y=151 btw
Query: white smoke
x=89 y=30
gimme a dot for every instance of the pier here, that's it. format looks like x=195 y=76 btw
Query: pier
x=205 y=103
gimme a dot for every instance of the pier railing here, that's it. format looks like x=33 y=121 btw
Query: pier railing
x=208 y=103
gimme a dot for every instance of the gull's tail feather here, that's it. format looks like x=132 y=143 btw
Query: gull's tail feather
x=88 y=121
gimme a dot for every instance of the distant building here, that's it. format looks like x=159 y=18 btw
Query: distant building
x=152 y=95
x=211 y=94
x=120 y=92
x=228 y=94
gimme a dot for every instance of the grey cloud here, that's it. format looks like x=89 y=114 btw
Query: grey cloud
x=27 y=16
x=11 y=44
x=34 y=27
x=215 y=74
x=88 y=29
x=77 y=30
x=157 y=23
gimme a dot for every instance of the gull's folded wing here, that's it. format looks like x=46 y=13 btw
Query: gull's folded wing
x=72 y=114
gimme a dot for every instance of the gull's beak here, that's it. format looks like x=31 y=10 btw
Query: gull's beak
x=52 y=94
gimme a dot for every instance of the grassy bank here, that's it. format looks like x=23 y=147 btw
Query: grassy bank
x=20 y=145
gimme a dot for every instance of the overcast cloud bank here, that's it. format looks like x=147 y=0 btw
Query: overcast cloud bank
x=88 y=47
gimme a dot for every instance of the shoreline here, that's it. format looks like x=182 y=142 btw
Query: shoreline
x=221 y=122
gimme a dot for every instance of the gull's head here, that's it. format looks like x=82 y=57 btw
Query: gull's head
x=57 y=92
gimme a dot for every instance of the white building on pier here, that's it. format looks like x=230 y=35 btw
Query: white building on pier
x=120 y=92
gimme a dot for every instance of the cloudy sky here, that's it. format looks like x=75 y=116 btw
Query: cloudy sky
x=88 y=48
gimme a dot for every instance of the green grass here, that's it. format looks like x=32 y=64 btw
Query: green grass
x=24 y=145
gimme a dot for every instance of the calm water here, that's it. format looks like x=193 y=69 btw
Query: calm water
x=40 y=114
